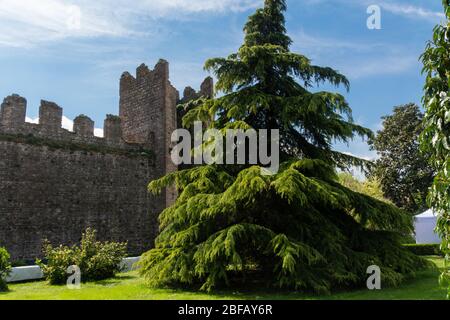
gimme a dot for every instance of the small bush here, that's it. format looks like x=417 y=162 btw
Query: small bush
x=96 y=260
x=424 y=249
x=58 y=260
x=99 y=260
x=5 y=268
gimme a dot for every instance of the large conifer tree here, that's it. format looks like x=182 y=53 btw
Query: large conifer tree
x=299 y=228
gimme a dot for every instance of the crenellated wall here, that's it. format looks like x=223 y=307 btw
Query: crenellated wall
x=12 y=122
x=55 y=183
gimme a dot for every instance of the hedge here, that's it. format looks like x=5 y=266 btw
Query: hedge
x=424 y=249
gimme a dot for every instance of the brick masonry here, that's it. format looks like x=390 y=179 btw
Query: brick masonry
x=55 y=183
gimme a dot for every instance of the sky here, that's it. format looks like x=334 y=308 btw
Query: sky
x=74 y=52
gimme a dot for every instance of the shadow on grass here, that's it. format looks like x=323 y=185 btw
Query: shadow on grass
x=132 y=286
x=412 y=287
x=112 y=281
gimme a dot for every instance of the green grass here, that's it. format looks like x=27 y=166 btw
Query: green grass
x=130 y=286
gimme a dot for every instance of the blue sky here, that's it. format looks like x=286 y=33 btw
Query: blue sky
x=73 y=52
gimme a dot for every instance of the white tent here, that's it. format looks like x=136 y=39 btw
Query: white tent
x=425 y=224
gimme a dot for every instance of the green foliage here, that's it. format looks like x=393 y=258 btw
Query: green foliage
x=424 y=249
x=57 y=261
x=96 y=260
x=299 y=229
x=436 y=135
x=371 y=187
x=5 y=268
x=402 y=169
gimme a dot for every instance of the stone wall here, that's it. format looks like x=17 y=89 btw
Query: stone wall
x=55 y=183
x=55 y=194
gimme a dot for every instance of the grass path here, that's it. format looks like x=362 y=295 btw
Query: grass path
x=130 y=286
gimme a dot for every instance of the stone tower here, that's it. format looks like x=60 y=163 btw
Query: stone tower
x=148 y=113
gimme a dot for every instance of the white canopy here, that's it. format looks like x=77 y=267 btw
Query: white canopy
x=425 y=224
x=427 y=214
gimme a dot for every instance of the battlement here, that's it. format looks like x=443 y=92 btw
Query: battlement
x=12 y=122
x=206 y=91
x=112 y=128
x=145 y=100
x=83 y=126
x=148 y=115
x=144 y=76
x=13 y=112
x=50 y=116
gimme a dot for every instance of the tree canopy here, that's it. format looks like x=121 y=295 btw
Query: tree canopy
x=299 y=228
x=436 y=135
x=402 y=169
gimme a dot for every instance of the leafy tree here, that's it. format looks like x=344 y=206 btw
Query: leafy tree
x=371 y=187
x=435 y=138
x=402 y=169
x=299 y=228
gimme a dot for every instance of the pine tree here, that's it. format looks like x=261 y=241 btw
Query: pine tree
x=435 y=139
x=297 y=229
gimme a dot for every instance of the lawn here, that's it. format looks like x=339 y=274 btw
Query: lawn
x=130 y=286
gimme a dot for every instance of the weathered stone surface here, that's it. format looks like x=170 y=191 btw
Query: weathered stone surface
x=50 y=116
x=56 y=194
x=83 y=126
x=13 y=111
x=112 y=128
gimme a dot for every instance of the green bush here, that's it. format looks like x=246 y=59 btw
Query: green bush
x=96 y=260
x=99 y=260
x=424 y=249
x=5 y=268
x=57 y=261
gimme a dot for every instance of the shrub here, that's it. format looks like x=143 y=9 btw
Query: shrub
x=58 y=260
x=424 y=249
x=5 y=268
x=96 y=260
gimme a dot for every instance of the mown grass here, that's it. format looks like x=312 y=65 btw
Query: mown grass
x=130 y=286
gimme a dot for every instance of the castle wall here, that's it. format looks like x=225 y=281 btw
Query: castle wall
x=55 y=194
x=55 y=183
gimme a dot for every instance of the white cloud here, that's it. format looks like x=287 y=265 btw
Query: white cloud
x=67 y=124
x=394 y=7
x=99 y=132
x=24 y=23
x=303 y=40
x=388 y=64
x=368 y=58
x=167 y=7
x=27 y=22
x=411 y=11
